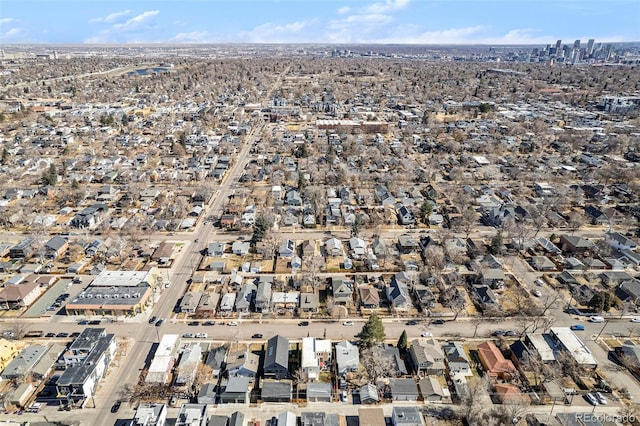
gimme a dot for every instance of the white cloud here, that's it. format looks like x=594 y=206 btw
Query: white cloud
x=11 y=35
x=344 y=10
x=4 y=21
x=136 y=20
x=275 y=33
x=193 y=37
x=387 y=6
x=112 y=17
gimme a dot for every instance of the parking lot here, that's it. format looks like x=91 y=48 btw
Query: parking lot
x=39 y=307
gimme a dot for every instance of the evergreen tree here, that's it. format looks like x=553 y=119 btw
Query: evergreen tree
x=497 y=244
x=403 y=342
x=372 y=332
x=260 y=228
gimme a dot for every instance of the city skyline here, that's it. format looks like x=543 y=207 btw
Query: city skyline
x=333 y=21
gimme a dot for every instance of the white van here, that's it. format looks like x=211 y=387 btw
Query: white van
x=596 y=318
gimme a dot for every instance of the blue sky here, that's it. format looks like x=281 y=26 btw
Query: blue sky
x=318 y=21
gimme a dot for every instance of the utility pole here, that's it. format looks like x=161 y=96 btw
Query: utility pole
x=601 y=330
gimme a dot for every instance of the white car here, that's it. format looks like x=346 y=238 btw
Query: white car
x=539 y=282
x=635 y=319
x=201 y=335
x=187 y=335
x=601 y=399
x=347 y=323
x=232 y=323
x=596 y=318
x=537 y=293
x=426 y=334
x=167 y=284
x=591 y=399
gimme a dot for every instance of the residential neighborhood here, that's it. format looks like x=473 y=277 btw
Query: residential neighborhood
x=319 y=237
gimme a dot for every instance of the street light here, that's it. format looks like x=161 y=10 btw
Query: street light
x=601 y=330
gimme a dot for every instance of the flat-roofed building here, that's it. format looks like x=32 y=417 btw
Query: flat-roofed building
x=150 y=414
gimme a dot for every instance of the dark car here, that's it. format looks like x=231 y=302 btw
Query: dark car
x=153 y=319
x=159 y=322
x=257 y=336
x=115 y=407
x=209 y=323
x=194 y=323
x=510 y=333
x=83 y=322
x=94 y=322
x=303 y=323
x=50 y=335
x=438 y=322
x=75 y=334
x=63 y=335
x=498 y=333
x=412 y=322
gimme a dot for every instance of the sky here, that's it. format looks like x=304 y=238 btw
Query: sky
x=538 y=22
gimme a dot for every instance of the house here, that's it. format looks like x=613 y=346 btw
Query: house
x=207 y=394
x=216 y=360
x=495 y=364
x=276 y=359
x=281 y=301
x=192 y=415
x=406 y=416
x=240 y=248
x=369 y=298
x=287 y=248
x=208 y=304
x=396 y=362
x=244 y=364
x=293 y=198
x=308 y=249
x=397 y=291
x=493 y=278
x=347 y=357
x=55 y=247
x=23 y=249
x=427 y=357
x=333 y=247
x=595 y=215
x=319 y=419
x=263 y=294
x=575 y=244
x=276 y=390
x=617 y=241
x=87 y=361
x=407 y=244
x=309 y=302
x=629 y=291
x=189 y=360
x=245 y=297
x=190 y=302
x=216 y=249
x=316 y=356
x=431 y=389
x=405 y=216
x=404 y=389
x=542 y=263
x=235 y=390
x=22 y=365
x=319 y=392
x=457 y=359
x=150 y=414
x=16 y=296
x=358 y=247
x=506 y=392
x=342 y=290
x=369 y=394
x=227 y=303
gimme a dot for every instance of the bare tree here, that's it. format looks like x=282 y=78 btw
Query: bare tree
x=473 y=400
x=476 y=321
x=376 y=363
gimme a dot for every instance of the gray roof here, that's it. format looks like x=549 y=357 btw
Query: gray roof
x=22 y=364
x=407 y=415
x=237 y=384
x=215 y=358
x=277 y=352
x=403 y=387
x=78 y=373
x=317 y=418
x=319 y=390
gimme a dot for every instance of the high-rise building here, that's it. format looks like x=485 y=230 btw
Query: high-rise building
x=590 y=47
x=558 y=45
x=576 y=44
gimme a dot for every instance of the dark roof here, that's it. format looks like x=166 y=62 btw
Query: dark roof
x=277 y=352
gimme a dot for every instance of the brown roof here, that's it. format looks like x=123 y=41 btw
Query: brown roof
x=493 y=360
x=371 y=416
x=15 y=293
x=369 y=296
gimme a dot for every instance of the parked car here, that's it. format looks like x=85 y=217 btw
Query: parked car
x=591 y=399
x=201 y=335
x=83 y=322
x=303 y=323
x=438 y=322
x=62 y=335
x=601 y=399
x=537 y=293
x=498 y=333
x=194 y=323
x=209 y=323
x=159 y=322
x=635 y=319
x=412 y=322
x=187 y=335
x=173 y=401
x=152 y=319
x=596 y=318
x=426 y=334
x=539 y=282
x=232 y=323
x=257 y=336
x=577 y=327
x=348 y=323
x=95 y=322
x=510 y=333
x=115 y=407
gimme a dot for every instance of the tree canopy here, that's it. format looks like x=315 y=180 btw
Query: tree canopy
x=372 y=332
